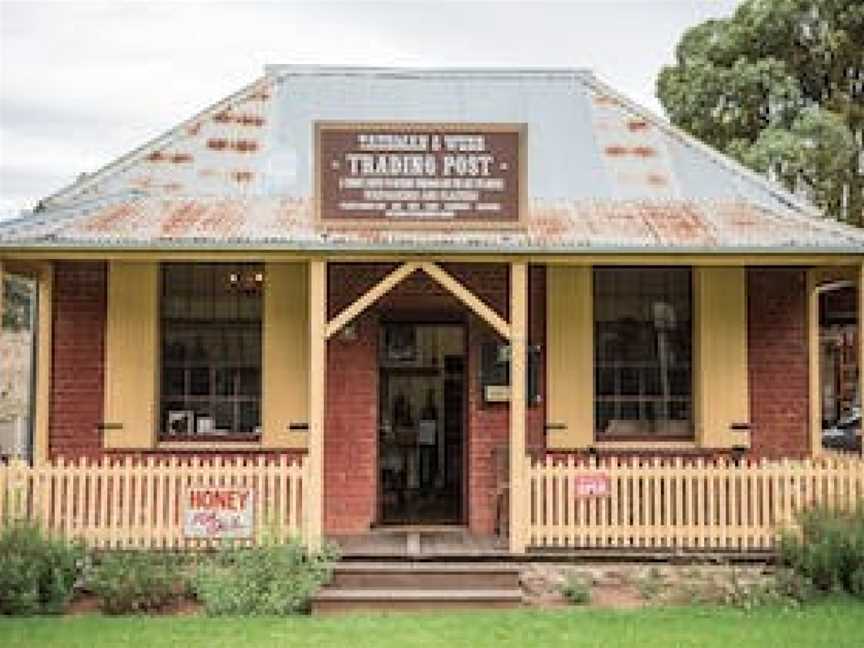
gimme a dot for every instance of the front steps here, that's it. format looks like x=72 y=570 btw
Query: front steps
x=411 y=586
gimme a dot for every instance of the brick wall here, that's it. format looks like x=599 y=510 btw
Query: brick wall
x=777 y=354
x=778 y=358
x=351 y=430
x=77 y=359
x=350 y=462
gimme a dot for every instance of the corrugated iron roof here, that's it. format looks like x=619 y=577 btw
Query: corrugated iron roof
x=602 y=173
x=559 y=226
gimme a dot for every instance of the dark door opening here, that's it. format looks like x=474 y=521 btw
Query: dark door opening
x=421 y=443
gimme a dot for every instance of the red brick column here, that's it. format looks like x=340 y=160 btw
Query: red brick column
x=778 y=362
x=77 y=362
x=351 y=430
x=489 y=423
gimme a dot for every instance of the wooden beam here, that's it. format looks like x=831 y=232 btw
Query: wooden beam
x=518 y=357
x=370 y=297
x=44 y=342
x=314 y=473
x=263 y=254
x=813 y=361
x=460 y=292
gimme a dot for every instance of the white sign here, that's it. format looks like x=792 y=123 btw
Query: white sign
x=218 y=512
x=592 y=486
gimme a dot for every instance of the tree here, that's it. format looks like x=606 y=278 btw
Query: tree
x=780 y=87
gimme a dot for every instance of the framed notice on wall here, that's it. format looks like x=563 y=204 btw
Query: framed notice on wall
x=410 y=173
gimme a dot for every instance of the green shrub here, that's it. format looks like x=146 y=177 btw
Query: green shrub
x=271 y=579
x=829 y=551
x=786 y=588
x=138 y=582
x=576 y=590
x=37 y=573
x=794 y=587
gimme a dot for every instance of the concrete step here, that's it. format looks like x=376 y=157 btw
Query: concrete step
x=425 y=575
x=338 y=600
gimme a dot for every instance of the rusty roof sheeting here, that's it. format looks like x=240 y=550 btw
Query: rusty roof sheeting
x=589 y=226
x=602 y=172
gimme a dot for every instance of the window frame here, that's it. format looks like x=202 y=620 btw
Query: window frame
x=600 y=436
x=255 y=436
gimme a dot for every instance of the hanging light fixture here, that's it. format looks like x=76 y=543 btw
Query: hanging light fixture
x=247 y=281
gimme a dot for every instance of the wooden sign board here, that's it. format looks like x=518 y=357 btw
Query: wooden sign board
x=592 y=486
x=419 y=173
x=218 y=512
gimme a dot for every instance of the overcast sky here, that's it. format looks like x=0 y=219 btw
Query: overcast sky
x=81 y=83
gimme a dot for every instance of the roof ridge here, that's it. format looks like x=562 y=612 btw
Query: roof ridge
x=171 y=135
x=291 y=69
x=718 y=157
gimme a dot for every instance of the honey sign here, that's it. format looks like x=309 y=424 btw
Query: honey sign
x=418 y=172
x=218 y=512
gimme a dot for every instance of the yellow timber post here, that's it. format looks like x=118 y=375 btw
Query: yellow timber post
x=44 y=337
x=813 y=363
x=314 y=500
x=518 y=356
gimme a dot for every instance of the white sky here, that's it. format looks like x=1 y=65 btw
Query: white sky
x=81 y=83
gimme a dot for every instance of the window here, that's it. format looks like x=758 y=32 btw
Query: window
x=643 y=349
x=211 y=351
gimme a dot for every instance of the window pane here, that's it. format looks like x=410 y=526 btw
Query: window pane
x=643 y=341
x=211 y=350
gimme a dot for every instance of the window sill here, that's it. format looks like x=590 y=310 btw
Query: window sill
x=659 y=444
x=211 y=446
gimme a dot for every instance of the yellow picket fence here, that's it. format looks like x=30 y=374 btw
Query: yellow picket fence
x=139 y=504
x=669 y=504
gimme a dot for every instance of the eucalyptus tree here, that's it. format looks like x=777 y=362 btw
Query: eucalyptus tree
x=780 y=86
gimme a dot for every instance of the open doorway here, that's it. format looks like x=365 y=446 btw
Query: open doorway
x=421 y=443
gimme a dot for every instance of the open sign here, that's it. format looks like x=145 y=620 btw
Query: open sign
x=592 y=486
x=218 y=512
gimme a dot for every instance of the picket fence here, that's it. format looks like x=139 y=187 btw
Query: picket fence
x=138 y=503
x=673 y=504
x=644 y=504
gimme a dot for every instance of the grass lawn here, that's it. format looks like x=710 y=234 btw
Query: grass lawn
x=833 y=623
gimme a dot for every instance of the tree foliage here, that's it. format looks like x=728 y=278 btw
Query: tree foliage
x=780 y=86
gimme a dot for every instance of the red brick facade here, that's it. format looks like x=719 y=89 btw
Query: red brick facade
x=350 y=458
x=777 y=353
x=778 y=358
x=77 y=359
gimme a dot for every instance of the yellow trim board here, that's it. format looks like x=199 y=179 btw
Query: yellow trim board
x=586 y=259
x=569 y=357
x=131 y=356
x=285 y=356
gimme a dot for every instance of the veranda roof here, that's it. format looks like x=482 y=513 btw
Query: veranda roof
x=603 y=175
